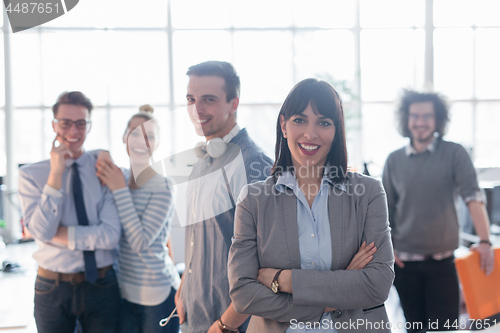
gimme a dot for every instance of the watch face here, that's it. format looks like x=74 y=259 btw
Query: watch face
x=274 y=287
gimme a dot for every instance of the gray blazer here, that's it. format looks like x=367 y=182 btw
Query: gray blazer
x=266 y=235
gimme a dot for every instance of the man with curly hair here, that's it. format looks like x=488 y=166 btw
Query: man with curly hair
x=422 y=181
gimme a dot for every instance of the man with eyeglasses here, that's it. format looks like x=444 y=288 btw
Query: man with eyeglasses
x=74 y=221
x=422 y=181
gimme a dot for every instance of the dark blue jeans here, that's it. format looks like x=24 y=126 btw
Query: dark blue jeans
x=96 y=305
x=135 y=318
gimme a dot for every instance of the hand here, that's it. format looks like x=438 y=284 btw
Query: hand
x=180 y=307
x=363 y=257
x=58 y=156
x=214 y=328
x=266 y=276
x=398 y=262
x=110 y=174
x=487 y=257
x=61 y=236
x=104 y=155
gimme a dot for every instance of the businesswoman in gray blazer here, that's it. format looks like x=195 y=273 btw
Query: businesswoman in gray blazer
x=297 y=232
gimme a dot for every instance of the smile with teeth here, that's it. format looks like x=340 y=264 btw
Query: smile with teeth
x=72 y=140
x=140 y=150
x=308 y=147
x=202 y=121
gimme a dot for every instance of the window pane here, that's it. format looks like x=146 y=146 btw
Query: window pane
x=193 y=47
x=26 y=69
x=460 y=128
x=264 y=62
x=392 y=13
x=193 y=14
x=380 y=135
x=138 y=68
x=260 y=122
x=486 y=12
x=317 y=55
x=323 y=13
x=2 y=71
x=453 y=62
x=28 y=134
x=487 y=64
x=74 y=60
x=453 y=13
x=3 y=165
x=114 y=13
x=390 y=60
x=99 y=136
x=487 y=134
x=262 y=13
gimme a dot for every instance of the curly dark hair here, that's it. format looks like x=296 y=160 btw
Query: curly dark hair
x=441 y=110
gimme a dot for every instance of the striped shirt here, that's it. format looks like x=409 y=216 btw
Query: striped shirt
x=146 y=271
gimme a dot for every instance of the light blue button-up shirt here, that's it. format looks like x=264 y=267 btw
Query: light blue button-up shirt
x=315 y=241
x=45 y=209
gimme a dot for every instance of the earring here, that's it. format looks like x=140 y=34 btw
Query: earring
x=284 y=135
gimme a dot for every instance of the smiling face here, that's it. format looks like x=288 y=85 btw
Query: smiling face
x=309 y=136
x=422 y=122
x=72 y=137
x=141 y=146
x=208 y=109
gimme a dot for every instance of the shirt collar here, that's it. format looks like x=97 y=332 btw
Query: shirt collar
x=287 y=179
x=80 y=161
x=410 y=150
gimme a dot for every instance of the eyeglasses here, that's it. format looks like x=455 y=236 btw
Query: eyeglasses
x=425 y=117
x=66 y=123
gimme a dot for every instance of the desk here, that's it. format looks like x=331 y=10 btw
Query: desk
x=17 y=290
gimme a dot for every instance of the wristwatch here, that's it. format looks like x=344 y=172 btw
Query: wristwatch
x=485 y=241
x=224 y=329
x=275 y=287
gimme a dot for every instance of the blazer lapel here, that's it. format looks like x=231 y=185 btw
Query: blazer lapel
x=336 y=215
x=289 y=209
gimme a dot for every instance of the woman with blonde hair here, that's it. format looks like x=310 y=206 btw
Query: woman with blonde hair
x=147 y=276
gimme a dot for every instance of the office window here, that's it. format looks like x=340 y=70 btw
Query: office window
x=390 y=60
x=117 y=53
x=264 y=62
x=487 y=64
x=453 y=62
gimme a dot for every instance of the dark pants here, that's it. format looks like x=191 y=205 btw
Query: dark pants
x=57 y=305
x=136 y=318
x=429 y=293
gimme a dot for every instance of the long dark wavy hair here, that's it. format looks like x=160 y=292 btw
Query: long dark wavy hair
x=441 y=110
x=324 y=100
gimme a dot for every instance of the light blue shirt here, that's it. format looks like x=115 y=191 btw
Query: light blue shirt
x=45 y=209
x=315 y=241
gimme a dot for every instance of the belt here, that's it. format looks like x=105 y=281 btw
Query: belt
x=70 y=277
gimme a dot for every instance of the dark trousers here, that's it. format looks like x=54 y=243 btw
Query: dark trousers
x=57 y=305
x=136 y=318
x=429 y=294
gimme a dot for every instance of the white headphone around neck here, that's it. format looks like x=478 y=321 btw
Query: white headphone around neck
x=215 y=147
